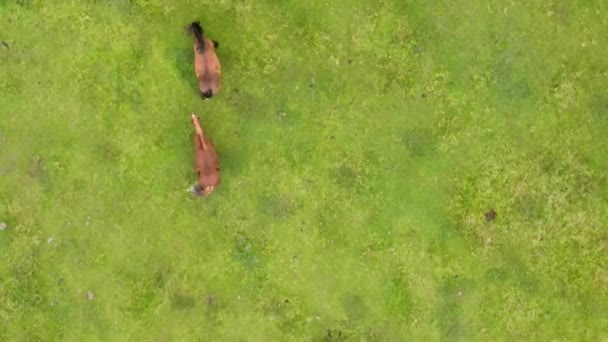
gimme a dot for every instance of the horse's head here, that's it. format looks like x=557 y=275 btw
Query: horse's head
x=207 y=94
x=200 y=190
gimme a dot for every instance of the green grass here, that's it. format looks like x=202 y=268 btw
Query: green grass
x=361 y=144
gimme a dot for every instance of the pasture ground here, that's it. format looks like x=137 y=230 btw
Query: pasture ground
x=362 y=144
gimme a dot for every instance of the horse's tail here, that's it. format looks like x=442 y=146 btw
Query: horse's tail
x=196 y=29
x=198 y=131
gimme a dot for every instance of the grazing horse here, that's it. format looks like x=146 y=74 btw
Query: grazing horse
x=206 y=64
x=207 y=163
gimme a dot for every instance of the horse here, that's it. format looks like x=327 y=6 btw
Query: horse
x=206 y=63
x=207 y=163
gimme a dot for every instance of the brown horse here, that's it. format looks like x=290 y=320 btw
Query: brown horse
x=207 y=163
x=206 y=64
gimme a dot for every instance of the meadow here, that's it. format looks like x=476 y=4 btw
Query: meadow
x=392 y=171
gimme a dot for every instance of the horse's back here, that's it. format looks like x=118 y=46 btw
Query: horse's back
x=208 y=164
x=207 y=67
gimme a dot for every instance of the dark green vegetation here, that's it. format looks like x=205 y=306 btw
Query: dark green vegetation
x=362 y=146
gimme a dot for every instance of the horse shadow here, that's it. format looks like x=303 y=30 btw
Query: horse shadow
x=183 y=61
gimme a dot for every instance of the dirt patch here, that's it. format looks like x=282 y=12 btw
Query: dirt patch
x=490 y=215
x=36 y=166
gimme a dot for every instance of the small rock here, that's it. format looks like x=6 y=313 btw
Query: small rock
x=490 y=215
x=90 y=295
x=2 y=226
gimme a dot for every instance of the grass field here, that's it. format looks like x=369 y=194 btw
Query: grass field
x=362 y=144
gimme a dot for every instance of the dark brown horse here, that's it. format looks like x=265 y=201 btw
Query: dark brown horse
x=207 y=163
x=206 y=64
